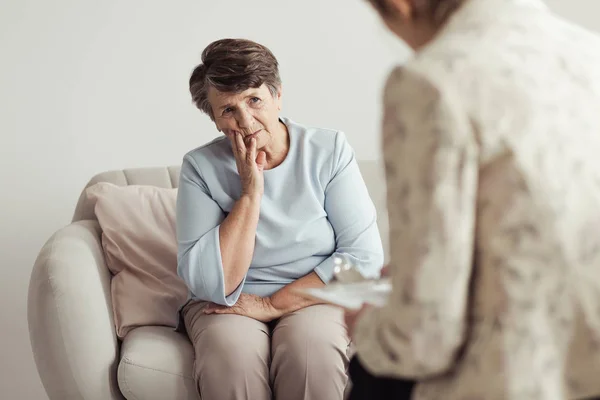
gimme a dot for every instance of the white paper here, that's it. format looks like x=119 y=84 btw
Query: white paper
x=353 y=295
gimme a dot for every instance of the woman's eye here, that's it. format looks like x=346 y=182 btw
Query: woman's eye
x=255 y=100
x=227 y=110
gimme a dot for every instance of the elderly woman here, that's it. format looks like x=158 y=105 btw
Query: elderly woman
x=262 y=211
x=492 y=152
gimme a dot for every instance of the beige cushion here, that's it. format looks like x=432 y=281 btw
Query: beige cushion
x=138 y=238
x=157 y=364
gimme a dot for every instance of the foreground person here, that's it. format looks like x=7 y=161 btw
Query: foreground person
x=491 y=146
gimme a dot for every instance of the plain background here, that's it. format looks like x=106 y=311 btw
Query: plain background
x=88 y=86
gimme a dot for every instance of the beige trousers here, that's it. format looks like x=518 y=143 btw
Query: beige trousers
x=301 y=356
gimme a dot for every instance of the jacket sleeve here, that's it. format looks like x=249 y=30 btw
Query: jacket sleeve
x=352 y=215
x=199 y=217
x=431 y=160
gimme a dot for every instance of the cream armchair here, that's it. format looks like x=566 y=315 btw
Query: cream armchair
x=70 y=315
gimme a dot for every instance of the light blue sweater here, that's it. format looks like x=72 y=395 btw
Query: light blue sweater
x=315 y=205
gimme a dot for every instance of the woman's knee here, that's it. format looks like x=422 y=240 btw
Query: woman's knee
x=313 y=351
x=311 y=341
x=309 y=356
x=232 y=359
x=232 y=350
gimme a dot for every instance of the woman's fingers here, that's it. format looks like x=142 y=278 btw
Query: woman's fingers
x=212 y=308
x=241 y=146
x=251 y=154
x=261 y=160
x=235 y=147
x=249 y=163
x=231 y=137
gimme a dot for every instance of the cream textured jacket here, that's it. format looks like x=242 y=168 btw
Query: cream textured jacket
x=492 y=152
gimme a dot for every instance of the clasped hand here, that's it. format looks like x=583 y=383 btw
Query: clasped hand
x=248 y=305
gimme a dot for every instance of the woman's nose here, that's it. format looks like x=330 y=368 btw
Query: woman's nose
x=244 y=119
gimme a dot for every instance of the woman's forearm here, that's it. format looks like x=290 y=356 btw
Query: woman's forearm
x=237 y=236
x=286 y=301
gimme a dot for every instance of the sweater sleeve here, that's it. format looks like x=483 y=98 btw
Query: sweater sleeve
x=431 y=159
x=352 y=215
x=199 y=218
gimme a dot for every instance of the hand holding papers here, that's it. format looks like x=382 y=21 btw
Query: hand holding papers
x=350 y=289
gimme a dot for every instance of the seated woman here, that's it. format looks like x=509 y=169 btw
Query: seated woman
x=262 y=211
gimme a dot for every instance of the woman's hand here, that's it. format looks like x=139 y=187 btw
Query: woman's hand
x=385 y=271
x=248 y=305
x=250 y=164
x=351 y=316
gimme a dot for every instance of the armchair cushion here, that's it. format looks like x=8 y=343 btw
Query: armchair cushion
x=138 y=239
x=157 y=364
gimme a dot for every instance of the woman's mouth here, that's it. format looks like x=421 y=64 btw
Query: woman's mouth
x=249 y=137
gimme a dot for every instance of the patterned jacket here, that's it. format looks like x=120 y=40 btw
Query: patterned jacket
x=491 y=141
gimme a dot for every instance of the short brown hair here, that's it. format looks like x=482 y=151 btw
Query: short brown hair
x=438 y=10
x=232 y=66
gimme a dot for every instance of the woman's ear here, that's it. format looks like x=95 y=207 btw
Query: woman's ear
x=279 y=97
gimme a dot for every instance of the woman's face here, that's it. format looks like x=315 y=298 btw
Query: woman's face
x=254 y=113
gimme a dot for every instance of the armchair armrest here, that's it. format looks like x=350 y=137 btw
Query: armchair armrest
x=70 y=316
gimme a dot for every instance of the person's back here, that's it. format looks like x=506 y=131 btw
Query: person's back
x=530 y=84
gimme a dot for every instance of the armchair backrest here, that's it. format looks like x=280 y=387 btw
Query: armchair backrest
x=166 y=177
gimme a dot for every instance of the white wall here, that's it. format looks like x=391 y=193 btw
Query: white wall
x=88 y=86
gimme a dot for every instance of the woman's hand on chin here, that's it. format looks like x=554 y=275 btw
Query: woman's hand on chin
x=250 y=164
x=248 y=305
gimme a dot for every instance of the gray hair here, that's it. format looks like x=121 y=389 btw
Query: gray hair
x=232 y=66
x=438 y=10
